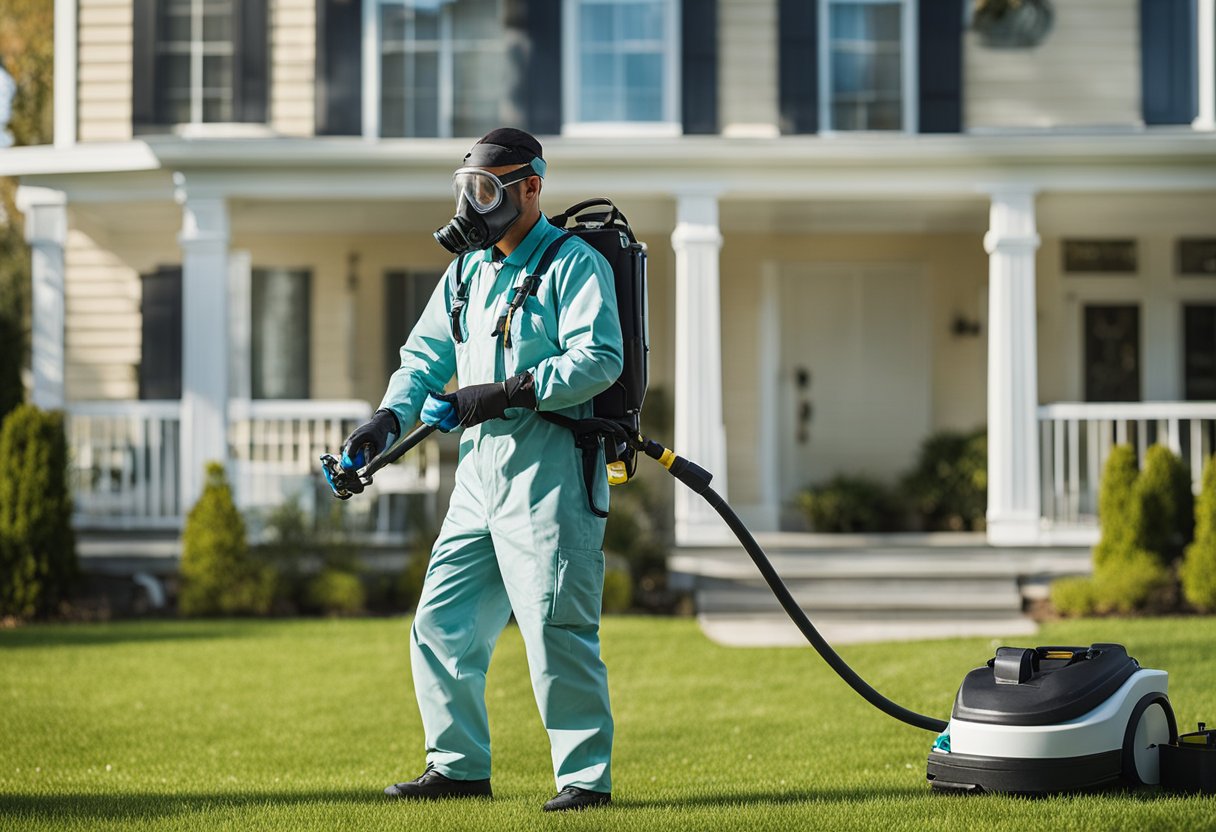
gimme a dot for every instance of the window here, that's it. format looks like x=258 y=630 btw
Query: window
x=405 y=296
x=1112 y=353
x=1100 y=256
x=442 y=67
x=621 y=64
x=1199 y=351
x=867 y=65
x=198 y=61
x=280 y=330
x=1197 y=256
x=194 y=57
x=160 y=363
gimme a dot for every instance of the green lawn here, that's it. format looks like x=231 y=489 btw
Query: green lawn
x=300 y=724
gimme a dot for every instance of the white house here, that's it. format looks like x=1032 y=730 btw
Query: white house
x=866 y=223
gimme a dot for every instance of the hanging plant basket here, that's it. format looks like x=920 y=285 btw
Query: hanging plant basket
x=1012 y=24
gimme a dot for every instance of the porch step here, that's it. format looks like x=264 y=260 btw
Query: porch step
x=864 y=591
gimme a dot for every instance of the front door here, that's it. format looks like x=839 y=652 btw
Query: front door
x=1112 y=353
x=856 y=372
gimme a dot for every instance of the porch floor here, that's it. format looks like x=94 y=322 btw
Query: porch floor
x=873 y=588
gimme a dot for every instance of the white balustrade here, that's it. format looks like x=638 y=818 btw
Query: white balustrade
x=125 y=459
x=1075 y=440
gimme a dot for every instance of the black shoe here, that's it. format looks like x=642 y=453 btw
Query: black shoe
x=574 y=798
x=431 y=785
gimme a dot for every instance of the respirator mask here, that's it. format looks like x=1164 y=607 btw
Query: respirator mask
x=485 y=208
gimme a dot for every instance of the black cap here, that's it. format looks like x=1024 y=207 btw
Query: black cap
x=504 y=146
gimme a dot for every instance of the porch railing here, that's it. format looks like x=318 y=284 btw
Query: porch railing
x=125 y=459
x=124 y=463
x=1075 y=440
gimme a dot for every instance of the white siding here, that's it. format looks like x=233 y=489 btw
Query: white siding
x=747 y=66
x=293 y=33
x=102 y=325
x=104 y=70
x=1086 y=72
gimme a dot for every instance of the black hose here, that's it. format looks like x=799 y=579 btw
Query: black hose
x=806 y=627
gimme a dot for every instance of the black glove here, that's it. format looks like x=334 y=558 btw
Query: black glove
x=369 y=440
x=479 y=403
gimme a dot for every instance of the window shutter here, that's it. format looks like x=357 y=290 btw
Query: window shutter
x=798 y=65
x=339 y=68
x=699 y=65
x=940 y=62
x=534 y=52
x=143 y=64
x=160 y=362
x=1168 y=54
x=251 y=73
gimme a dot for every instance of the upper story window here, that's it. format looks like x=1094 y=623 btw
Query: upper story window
x=199 y=62
x=194 y=56
x=867 y=65
x=441 y=66
x=621 y=65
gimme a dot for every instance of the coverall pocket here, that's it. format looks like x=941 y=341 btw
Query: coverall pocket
x=578 y=585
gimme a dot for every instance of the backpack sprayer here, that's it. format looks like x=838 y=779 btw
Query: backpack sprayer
x=1030 y=721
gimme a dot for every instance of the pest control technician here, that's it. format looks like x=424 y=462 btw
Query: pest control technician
x=520 y=533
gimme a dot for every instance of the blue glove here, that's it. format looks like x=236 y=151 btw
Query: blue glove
x=440 y=413
x=370 y=440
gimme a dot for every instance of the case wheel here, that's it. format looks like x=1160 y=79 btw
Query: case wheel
x=1151 y=724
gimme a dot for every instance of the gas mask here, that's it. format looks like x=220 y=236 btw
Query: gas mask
x=485 y=209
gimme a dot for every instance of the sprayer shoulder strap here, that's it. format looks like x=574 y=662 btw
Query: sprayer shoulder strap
x=526 y=287
x=459 y=293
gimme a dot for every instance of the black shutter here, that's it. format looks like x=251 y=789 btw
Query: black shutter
x=940 y=61
x=699 y=65
x=143 y=64
x=251 y=72
x=534 y=51
x=798 y=65
x=339 y=68
x=160 y=363
x=1168 y=61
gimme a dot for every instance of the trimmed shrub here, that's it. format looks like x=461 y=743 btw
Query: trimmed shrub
x=618 y=591
x=1199 y=564
x=219 y=575
x=1074 y=597
x=1118 y=512
x=1165 y=503
x=336 y=592
x=848 y=503
x=1134 y=584
x=37 y=545
x=948 y=487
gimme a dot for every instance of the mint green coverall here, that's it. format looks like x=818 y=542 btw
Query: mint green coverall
x=519 y=534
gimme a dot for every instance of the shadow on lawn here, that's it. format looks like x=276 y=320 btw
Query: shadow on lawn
x=810 y=795
x=128 y=806
x=90 y=635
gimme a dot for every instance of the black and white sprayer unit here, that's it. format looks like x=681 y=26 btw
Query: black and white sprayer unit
x=1030 y=721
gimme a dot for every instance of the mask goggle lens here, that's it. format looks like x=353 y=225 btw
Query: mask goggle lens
x=482 y=189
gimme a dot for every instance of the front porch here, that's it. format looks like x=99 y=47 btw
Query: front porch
x=925 y=295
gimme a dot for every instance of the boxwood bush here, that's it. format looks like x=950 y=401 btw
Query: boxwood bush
x=1199 y=564
x=37 y=545
x=948 y=486
x=219 y=575
x=848 y=503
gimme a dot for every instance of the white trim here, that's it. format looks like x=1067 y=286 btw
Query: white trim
x=768 y=450
x=371 y=70
x=1127 y=410
x=240 y=317
x=1206 y=25
x=46 y=228
x=671 y=123
x=908 y=70
x=66 y=87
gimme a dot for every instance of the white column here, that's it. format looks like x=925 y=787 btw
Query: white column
x=699 y=432
x=64 y=99
x=46 y=229
x=1013 y=388
x=205 y=276
x=1206 y=41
